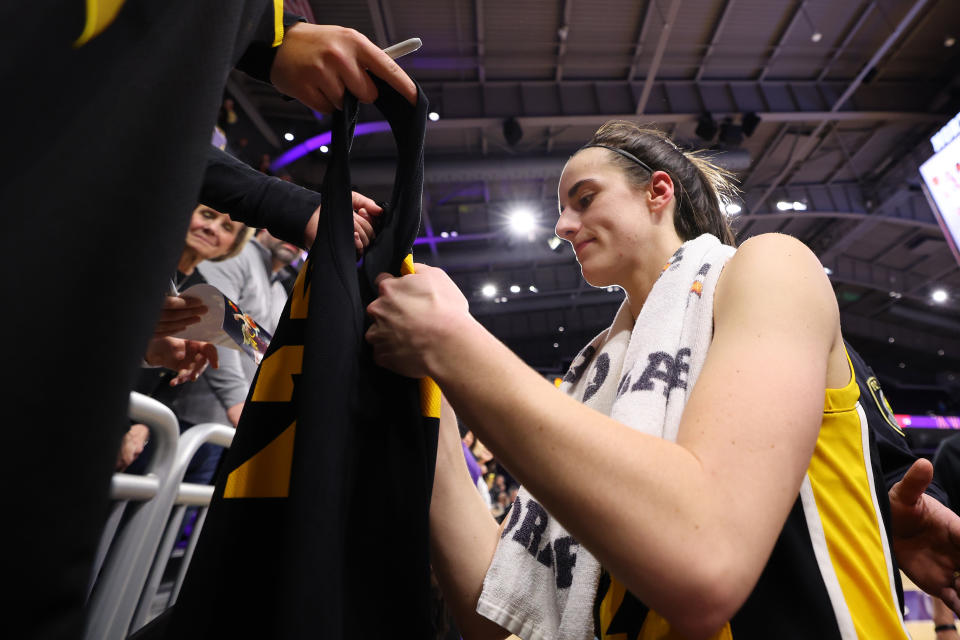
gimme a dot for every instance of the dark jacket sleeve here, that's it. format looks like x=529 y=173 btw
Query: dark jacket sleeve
x=894 y=451
x=257 y=59
x=256 y=199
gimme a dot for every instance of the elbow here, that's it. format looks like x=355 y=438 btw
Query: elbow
x=713 y=593
x=704 y=617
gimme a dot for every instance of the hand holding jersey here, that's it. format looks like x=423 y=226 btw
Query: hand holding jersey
x=316 y=63
x=364 y=211
x=411 y=316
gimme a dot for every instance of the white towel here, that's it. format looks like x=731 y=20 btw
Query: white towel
x=541 y=583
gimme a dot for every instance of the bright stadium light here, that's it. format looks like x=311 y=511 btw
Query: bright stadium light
x=939 y=296
x=732 y=208
x=489 y=290
x=522 y=221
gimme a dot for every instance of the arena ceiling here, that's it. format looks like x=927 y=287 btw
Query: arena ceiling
x=847 y=93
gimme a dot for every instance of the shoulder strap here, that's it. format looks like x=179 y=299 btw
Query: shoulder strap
x=398 y=225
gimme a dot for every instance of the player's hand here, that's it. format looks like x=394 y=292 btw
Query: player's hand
x=411 y=318
x=926 y=536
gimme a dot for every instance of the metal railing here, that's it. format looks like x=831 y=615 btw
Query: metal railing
x=131 y=558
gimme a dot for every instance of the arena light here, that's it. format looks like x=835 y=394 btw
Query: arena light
x=489 y=290
x=288 y=136
x=522 y=221
x=732 y=208
x=939 y=296
x=533 y=289
x=434 y=116
x=796 y=205
x=514 y=288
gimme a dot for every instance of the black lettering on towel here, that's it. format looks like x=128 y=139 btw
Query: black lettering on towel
x=560 y=554
x=600 y=372
x=671 y=371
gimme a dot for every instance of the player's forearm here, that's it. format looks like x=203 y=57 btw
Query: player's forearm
x=463 y=534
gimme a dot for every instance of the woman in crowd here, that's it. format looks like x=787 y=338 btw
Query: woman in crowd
x=211 y=236
x=705 y=474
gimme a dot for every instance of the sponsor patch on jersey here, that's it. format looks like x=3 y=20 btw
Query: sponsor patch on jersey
x=876 y=392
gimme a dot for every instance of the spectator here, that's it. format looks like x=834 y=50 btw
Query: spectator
x=211 y=236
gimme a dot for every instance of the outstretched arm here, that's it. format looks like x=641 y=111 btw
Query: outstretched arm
x=286 y=210
x=706 y=510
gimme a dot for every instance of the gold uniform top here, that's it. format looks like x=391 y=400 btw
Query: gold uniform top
x=830 y=576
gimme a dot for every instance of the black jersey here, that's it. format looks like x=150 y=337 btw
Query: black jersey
x=319 y=522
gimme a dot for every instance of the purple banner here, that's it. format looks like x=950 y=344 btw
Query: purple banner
x=928 y=422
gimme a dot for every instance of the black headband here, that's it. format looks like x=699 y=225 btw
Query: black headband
x=630 y=156
x=625 y=154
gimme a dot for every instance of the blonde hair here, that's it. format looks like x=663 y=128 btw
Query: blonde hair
x=243 y=236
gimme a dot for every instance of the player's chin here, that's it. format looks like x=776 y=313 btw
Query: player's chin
x=595 y=277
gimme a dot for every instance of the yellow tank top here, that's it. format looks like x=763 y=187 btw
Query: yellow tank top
x=830 y=576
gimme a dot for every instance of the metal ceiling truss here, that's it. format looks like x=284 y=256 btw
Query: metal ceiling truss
x=842 y=47
x=814 y=139
x=676 y=100
x=778 y=47
x=714 y=38
x=654 y=67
